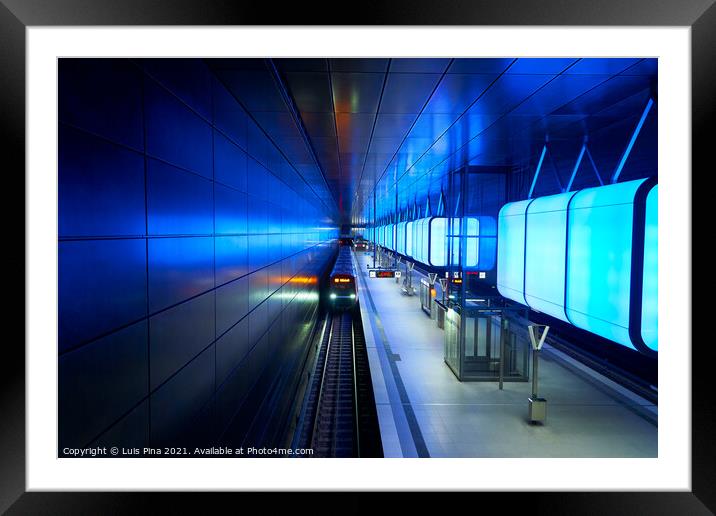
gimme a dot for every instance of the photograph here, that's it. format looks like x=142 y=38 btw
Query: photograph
x=358 y=257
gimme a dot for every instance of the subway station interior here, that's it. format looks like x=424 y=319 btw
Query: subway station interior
x=359 y=257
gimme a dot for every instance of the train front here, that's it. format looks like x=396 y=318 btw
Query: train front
x=342 y=292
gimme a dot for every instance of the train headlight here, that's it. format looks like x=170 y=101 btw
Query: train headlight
x=333 y=296
x=353 y=296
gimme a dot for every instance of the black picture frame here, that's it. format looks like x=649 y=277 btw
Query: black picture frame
x=17 y=15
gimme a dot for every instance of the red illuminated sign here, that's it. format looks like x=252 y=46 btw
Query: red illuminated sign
x=385 y=274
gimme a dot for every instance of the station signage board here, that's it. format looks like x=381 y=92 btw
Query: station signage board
x=381 y=273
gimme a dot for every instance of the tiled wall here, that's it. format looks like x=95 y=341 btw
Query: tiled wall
x=187 y=259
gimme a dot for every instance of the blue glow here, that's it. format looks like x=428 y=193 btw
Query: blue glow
x=438 y=241
x=204 y=261
x=480 y=243
x=425 y=240
x=545 y=254
x=472 y=247
x=400 y=237
x=594 y=167
x=455 y=236
x=418 y=240
x=511 y=251
x=576 y=168
x=572 y=253
x=634 y=136
x=488 y=244
x=650 y=289
x=409 y=239
x=539 y=167
x=599 y=267
x=421 y=240
x=466 y=120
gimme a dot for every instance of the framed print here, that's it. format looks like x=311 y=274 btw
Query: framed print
x=419 y=252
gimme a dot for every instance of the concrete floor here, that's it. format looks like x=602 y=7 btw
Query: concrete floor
x=425 y=411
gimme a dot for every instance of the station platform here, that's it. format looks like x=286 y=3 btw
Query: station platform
x=424 y=411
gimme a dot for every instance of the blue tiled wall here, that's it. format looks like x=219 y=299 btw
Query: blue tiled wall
x=182 y=286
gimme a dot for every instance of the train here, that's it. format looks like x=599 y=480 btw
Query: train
x=359 y=244
x=342 y=288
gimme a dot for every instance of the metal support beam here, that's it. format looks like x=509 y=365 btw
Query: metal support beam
x=635 y=134
x=539 y=167
x=594 y=166
x=441 y=204
x=576 y=167
x=555 y=171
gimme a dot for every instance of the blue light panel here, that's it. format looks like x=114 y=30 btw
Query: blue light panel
x=545 y=254
x=421 y=240
x=418 y=243
x=573 y=254
x=480 y=243
x=425 y=242
x=438 y=241
x=511 y=251
x=487 y=243
x=418 y=240
x=472 y=242
x=400 y=237
x=599 y=266
x=426 y=239
x=409 y=239
x=454 y=236
x=650 y=288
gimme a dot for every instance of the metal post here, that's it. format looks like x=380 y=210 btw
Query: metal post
x=535 y=371
x=537 y=405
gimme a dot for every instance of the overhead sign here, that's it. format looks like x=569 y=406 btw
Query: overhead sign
x=385 y=274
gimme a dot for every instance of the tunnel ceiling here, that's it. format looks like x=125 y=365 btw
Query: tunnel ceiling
x=350 y=126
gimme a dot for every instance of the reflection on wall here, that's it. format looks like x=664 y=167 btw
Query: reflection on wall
x=181 y=243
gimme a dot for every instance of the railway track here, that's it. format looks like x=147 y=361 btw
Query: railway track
x=340 y=419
